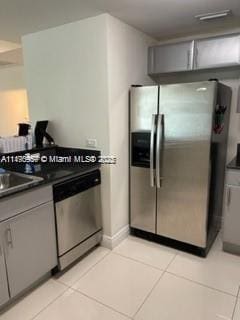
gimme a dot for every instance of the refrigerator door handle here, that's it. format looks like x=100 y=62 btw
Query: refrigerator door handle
x=159 y=143
x=229 y=196
x=152 y=180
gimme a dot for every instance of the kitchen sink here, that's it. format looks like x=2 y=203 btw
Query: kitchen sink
x=11 y=182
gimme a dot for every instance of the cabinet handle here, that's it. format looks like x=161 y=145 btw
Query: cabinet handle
x=9 y=238
x=228 y=196
x=1 y=251
x=188 y=59
x=196 y=58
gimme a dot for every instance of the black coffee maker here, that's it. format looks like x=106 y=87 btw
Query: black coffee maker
x=23 y=129
x=40 y=133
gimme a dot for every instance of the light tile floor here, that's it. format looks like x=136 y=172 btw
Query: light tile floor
x=237 y=311
x=138 y=280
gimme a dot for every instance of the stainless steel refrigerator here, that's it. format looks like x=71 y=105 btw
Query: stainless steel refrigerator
x=178 y=143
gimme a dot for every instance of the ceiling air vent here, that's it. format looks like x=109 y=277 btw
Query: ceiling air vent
x=213 y=15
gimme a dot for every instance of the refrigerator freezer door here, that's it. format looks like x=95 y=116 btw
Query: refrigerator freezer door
x=143 y=115
x=143 y=201
x=144 y=103
x=182 y=200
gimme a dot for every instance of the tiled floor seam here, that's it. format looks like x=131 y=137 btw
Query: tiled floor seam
x=61 y=282
x=90 y=268
x=103 y=304
x=171 y=261
x=236 y=302
x=67 y=286
x=138 y=261
x=201 y=284
x=148 y=295
x=55 y=299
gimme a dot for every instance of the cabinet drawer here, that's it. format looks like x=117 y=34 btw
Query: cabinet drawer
x=233 y=177
x=23 y=201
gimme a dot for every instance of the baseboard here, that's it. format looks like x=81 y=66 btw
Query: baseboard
x=112 y=242
x=231 y=248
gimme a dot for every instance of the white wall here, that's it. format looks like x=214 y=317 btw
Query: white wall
x=127 y=65
x=78 y=77
x=66 y=75
x=13 y=100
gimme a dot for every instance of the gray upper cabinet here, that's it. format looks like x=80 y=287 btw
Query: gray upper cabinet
x=4 y=295
x=209 y=53
x=30 y=247
x=170 y=58
x=217 y=52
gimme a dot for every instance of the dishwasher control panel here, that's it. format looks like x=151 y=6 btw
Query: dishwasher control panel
x=76 y=185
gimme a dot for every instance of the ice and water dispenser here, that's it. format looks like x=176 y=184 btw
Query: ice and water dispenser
x=140 y=152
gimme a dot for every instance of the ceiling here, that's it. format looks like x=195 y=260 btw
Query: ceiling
x=159 y=18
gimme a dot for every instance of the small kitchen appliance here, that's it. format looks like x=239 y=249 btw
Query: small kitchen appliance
x=41 y=133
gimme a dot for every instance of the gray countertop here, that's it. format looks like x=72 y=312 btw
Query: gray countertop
x=55 y=173
x=52 y=177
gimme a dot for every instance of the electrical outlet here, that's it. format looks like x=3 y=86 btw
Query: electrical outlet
x=92 y=143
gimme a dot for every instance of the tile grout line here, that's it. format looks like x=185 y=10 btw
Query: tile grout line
x=147 y=264
x=67 y=286
x=84 y=273
x=55 y=299
x=148 y=295
x=103 y=304
x=138 y=261
x=172 y=261
x=201 y=284
x=236 y=302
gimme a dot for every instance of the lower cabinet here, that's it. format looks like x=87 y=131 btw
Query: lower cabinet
x=29 y=242
x=231 y=226
x=231 y=230
x=4 y=294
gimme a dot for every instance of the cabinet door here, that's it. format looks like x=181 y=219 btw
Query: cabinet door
x=170 y=58
x=4 y=296
x=30 y=247
x=217 y=52
x=231 y=233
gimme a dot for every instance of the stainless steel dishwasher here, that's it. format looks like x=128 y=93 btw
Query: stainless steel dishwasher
x=78 y=216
